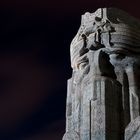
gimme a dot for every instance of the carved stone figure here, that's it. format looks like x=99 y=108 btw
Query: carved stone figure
x=103 y=99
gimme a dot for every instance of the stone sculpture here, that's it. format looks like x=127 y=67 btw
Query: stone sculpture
x=103 y=99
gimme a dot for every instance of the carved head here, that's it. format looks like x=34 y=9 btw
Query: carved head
x=107 y=28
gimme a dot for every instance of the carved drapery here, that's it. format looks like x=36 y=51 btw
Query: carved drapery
x=103 y=96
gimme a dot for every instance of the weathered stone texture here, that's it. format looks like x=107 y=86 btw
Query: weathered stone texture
x=103 y=99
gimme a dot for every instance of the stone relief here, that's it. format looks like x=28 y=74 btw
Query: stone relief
x=103 y=99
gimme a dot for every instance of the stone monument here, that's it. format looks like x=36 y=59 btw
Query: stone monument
x=103 y=98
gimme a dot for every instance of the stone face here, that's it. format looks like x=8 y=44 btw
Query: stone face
x=103 y=99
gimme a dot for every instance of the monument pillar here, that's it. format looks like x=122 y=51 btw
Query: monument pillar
x=103 y=98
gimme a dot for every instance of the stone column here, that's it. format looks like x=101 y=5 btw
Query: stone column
x=103 y=96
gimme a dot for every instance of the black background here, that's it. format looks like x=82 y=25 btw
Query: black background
x=53 y=24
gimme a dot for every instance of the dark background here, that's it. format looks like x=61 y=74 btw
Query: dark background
x=34 y=43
